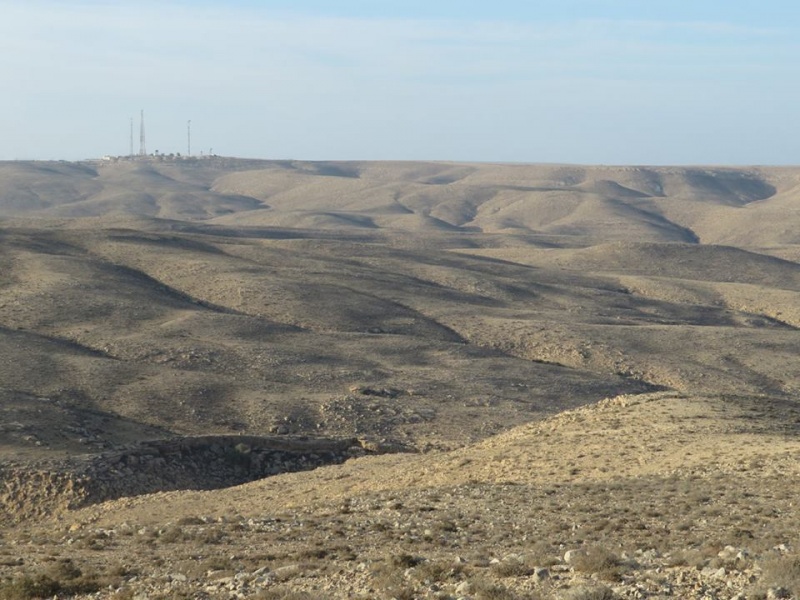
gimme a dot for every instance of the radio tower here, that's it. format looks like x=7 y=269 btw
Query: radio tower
x=131 y=152
x=142 y=146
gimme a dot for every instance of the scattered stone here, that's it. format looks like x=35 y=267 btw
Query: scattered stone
x=742 y=555
x=464 y=588
x=541 y=574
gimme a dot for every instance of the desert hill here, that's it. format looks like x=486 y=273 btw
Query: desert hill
x=570 y=447
x=253 y=296
x=187 y=332
x=714 y=205
x=191 y=323
x=662 y=494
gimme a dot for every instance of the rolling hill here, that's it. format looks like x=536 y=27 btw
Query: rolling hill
x=517 y=360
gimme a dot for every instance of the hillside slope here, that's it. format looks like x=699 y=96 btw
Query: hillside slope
x=447 y=330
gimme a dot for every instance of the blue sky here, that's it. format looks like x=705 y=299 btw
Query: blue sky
x=577 y=81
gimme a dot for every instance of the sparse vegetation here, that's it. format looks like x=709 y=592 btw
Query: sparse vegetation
x=600 y=561
x=141 y=351
x=589 y=592
x=62 y=578
x=511 y=568
x=782 y=572
x=485 y=590
x=284 y=594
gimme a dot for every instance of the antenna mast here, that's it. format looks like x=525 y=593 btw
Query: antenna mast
x=142 y=146
x=189 y=137
x=131 y=152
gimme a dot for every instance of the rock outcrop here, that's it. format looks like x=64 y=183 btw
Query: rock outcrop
x=197 y=463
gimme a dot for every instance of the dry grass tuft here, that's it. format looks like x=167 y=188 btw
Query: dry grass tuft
x=600 y=561
x=782 y=572
x=589 y=592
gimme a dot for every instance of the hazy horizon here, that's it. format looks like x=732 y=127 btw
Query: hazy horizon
x=581 y=83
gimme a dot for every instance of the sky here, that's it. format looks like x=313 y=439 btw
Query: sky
x=554 y=81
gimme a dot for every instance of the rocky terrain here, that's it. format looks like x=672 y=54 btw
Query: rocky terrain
x=278 y=379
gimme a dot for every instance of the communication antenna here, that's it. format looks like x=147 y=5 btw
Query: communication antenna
x=189 y=137
x=142 y=145
x=131 y=152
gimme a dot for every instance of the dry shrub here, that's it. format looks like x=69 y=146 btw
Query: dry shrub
x=511 y=568
x=62 y=578
x=210 y=536
x=687 y=558
x=601 y=592
x=27 y=586
x=388 y=576
x=600 y=561
x=434 y=571
x=542 y=554
x=404 y=561
x=172 y=535
x=589 y=592
x=282 y=594
x=484 y=590
x=784 y=572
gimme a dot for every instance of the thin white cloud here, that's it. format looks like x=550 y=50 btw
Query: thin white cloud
x=160 y=38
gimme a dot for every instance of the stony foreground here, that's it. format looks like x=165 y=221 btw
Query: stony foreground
x=674 y=510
